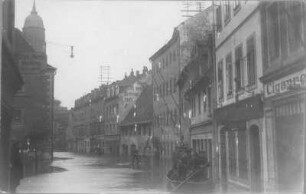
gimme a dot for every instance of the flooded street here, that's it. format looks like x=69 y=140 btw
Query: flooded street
x=73 y=173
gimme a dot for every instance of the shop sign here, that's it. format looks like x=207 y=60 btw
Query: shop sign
x=282 y=85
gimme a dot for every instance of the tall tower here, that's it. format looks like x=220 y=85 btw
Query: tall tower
x=34 y=31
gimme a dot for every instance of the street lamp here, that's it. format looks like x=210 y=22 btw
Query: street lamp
x=28 y=144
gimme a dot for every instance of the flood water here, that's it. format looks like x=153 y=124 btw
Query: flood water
x=74 y=173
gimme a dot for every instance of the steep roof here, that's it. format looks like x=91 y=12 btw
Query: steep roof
x=143 y=108
x=174 y=37
x=21 y=44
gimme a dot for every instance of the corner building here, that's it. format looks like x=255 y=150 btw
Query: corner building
x=284 y=74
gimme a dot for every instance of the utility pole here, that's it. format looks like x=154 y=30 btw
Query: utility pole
x=104 y=77
x=192 y=7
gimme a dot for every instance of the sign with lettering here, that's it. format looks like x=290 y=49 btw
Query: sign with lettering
x=282 y=85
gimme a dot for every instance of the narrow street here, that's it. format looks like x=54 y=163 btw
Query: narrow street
x=73 y=173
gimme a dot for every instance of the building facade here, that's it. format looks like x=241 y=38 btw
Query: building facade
x=33 y=118
x=136 y=128
x=284 y=35
x=196 y=82
x=11 y=82
x=121 y=96
x=165 y=69
x=171 y=124
x=61 y=119
x=87 y=122
x=239 y=107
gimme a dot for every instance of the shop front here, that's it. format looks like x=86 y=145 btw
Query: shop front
x=285 y=118
x=239 y=143
x=201 y=141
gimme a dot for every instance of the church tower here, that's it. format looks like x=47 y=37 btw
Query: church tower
x=34 y=31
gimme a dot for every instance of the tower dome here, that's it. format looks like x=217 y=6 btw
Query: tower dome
x=34 y=20
x=34 y=31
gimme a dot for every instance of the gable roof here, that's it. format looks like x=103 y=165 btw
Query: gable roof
x=143 y=109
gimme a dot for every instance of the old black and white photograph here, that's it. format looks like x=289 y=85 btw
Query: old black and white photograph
x=153 y=96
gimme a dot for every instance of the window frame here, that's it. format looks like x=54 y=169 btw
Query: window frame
x=219 y=18
x=289 y=24
x=229 y=75
x=227 y=12
x=253 y=38
x=242 y=68
x=221 y=80
x=277 y=51
x=237 y=6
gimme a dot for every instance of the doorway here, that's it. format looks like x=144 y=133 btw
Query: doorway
x=255 y=160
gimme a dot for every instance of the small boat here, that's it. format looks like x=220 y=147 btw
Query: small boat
x=188 y=184
x=188 y=174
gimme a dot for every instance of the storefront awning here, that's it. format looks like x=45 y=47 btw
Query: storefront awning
x=250 y=108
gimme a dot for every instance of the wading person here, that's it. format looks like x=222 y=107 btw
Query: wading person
x=135 y=158
x=16 y=173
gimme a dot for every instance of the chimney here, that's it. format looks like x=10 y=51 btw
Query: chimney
x=145 y=70
x=137 y=73
x=132 y=73
x=125 y=75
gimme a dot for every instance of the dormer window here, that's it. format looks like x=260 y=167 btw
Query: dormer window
x=227 y=11
x=237 y=5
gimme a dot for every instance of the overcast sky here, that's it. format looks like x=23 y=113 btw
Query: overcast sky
x=121 y=34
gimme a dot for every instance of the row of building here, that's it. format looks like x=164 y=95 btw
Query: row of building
x=97 y=116
x=230 y=82
x=27 y=87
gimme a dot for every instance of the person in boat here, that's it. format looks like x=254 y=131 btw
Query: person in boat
x=200 y=164
x=183 y=166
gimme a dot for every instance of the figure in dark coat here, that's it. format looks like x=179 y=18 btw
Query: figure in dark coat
x=16 y=173
x=135 y=158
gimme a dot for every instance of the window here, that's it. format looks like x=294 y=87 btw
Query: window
x=174 y=85
x=227 y=10
x=174 y=56
x=229 y=74
x=239 y=68
x=170 y=84
x=166 y=88
x=219 y=19
x=273 y=31
x=175 y=115
x=166 y=63
x=251 y=61
x=295 y=33
x=220 y=80
x=193 y=106
x=242 y=154
x=204 y=100
x=199 y=103
x=162 y=90
x=208 y=99
x=236 y=4
x=232 y=153
x=18 y=116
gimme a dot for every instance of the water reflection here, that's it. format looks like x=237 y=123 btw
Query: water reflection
x=73 y=173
